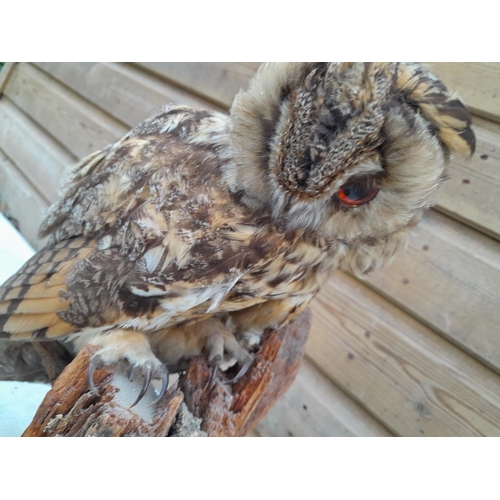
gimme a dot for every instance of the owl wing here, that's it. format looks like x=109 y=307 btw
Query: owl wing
x=143 y=237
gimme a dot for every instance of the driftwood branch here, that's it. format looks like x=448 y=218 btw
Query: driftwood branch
x=192 y=406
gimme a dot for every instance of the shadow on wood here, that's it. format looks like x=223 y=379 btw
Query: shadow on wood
x=192 y=406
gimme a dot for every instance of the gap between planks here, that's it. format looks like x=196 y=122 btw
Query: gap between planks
x=80 y=126
x=5 y=74
x=314 y=406
x=124 y=91
x=218 y=82
x=19 y=200
x=448 y=279
x=41 y=159
x=409 y=378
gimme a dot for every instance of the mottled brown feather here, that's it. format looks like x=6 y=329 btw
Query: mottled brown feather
x=194 y=215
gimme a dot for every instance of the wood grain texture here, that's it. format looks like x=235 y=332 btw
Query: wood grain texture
x=35 y=153
x=219 y=82
x=476 y=82
x=471 y=193
x=20 y=202
x=415 y=382
x=212 y=405
x=236 y=410
x=80 y=126
x=70 y=409
x=128 y=94
x=449 y=278
x=5 y=74
x=314 y=406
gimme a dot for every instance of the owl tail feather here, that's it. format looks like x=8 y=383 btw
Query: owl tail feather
x=31 y=299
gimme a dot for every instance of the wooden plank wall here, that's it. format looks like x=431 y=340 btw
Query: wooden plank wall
x=412 y=350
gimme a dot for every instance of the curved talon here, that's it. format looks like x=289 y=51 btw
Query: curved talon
x=145 y=385
x=163 y=390
x=214 y=373
x=90 y=376
x=240 y=374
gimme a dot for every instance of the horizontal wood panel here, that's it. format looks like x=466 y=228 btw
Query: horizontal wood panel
x=20 y=202
x=81 y=127
x=415 y=382
x=125 y=92
x=313 y=406
x=449 y=278
x=471 y=193
x=41 y=159
x=477 y=83
x=219 y=82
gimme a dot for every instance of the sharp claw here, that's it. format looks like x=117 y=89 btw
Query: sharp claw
x=90 y=377
x=214 y=373
x=145 y=385
x=240 y=374
x=163 y=390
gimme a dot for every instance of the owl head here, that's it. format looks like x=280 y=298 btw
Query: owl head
x=352 y=151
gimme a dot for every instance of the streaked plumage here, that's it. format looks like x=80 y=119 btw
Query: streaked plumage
x=196 y=228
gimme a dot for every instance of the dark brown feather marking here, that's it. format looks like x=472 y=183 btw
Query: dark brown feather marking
x=457 y=110
x=136 y=305
x=13 y=305
x=3 y=320
x=469 y=137
x=40 y=333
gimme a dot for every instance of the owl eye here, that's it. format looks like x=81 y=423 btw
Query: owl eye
x=356 y=193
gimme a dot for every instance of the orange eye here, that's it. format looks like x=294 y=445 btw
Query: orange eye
x=356 y=194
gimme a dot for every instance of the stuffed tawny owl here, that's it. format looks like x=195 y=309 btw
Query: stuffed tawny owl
x=196 y=231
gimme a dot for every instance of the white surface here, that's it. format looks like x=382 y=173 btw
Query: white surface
x=14 y=250
x=18 y=400
x=18 y=404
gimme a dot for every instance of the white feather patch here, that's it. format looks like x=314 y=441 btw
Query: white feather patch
x=152 y=291
x=152 y=257
x=222 y=293
x=172 y=123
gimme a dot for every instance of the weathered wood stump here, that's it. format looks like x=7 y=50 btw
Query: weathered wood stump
x=193 y=406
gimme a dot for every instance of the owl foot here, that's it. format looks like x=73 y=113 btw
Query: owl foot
x=224 y=351
x=148 y=372
x=134 y=347
x=162 y=375
x=244 y=368
x=211 y=337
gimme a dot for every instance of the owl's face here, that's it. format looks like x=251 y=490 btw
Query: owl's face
x=354 y=151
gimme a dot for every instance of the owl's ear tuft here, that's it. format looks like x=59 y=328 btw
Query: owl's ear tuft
x=444 y=110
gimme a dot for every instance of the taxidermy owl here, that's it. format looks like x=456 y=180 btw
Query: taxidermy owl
x=196 y=231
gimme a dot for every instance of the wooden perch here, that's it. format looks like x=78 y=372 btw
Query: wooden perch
x=192 y=405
